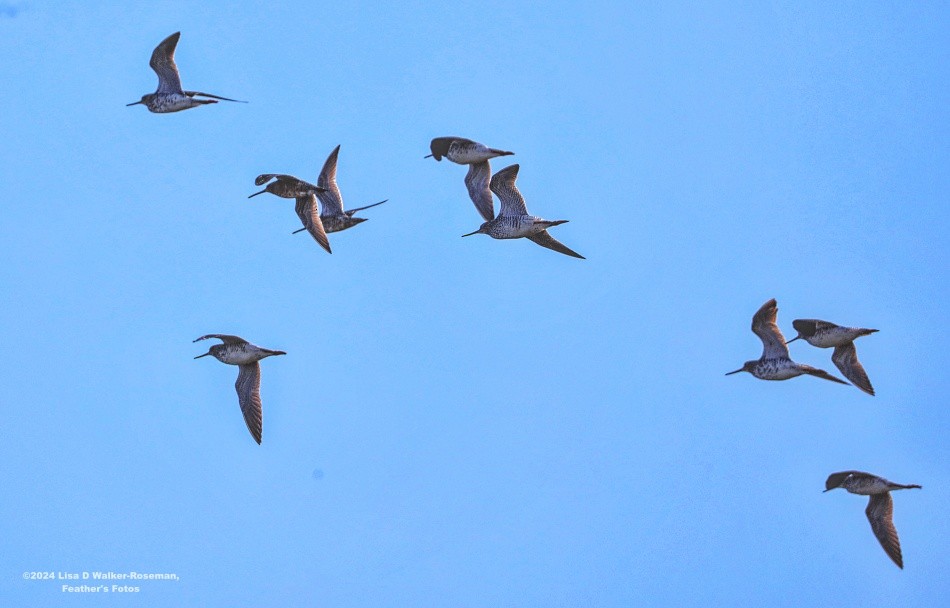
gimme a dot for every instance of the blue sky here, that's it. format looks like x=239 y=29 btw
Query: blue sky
x=474 y=422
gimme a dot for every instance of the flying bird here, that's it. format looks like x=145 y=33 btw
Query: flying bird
x=462 y=151
x=284 y=186
x=240 y=352
x=775 y=364
x=826 y=335
x=513 y=221
x=467 y=152
x=332 y=215
x=305 y=193
x=880 y=509
x=169 y=97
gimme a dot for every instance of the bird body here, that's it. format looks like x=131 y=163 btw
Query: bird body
x=880 y=509
x=781 y=369
x=865 y=484
x=239 y=353
x=235 y=350
x=169 y=96
x=518 y=226
x=775 y=363
x=285 y=186
x=463 y=151
x=513 y=220
x=827 y=335
x=171 y=102
x=845 y=357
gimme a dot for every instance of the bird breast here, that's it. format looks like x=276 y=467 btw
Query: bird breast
x=866 y=486
x=835 y=336
x=513 y=227
x=336 y=223
x=775 y=369
x=466 y=154
x=163 y=104
x=236 y=355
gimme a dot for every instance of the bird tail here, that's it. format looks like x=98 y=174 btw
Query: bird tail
x=500 y=152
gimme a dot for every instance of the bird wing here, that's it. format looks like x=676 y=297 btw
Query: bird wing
x=248 y=387
x=352 y=211
x=810 y=327
x=544 y=239
x=819 y=373
x=764 y=326
x=477 y=181
x=309 y=215
x=193 y=93
x=163 y=62
x=845 y=358
x=880 y=513
x=263 y=178
x=331 y=200
x=227 y=339
x=503 y=185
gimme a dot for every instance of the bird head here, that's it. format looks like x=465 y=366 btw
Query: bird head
x=837 y=480
x=483 y=229
x=145 y=99
x=746 y=367
x=440 y=147
x=806 y=328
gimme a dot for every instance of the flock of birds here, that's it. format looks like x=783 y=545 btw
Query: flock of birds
x=513 y=221
x=776 y=364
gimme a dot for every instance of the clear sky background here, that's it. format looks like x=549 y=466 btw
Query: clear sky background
x=472 y=422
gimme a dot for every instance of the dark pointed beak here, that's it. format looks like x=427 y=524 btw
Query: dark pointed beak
x=741 y=369
x=793 y=339
x=296 y=231
x=429 y=156
x=134 y=104
x=828 y=490
x=256 y=193
x=471 y=233
x=204 y=355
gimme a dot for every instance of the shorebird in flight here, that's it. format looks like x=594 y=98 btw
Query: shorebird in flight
x=240 y=352
x=169 y=97
x=332 y=214
x=826 y=335
x=513 y=221
x=464 y=151
x=880 y=510
x=775 y=364
x=284 y=186
x=305 y=193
